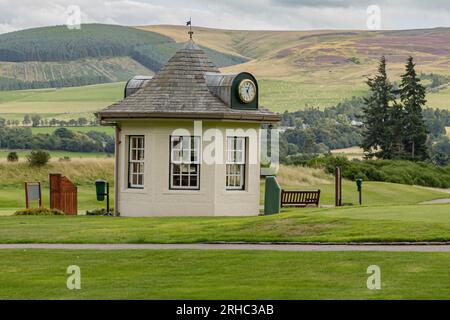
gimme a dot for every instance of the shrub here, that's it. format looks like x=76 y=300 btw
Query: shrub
x=12 y=157
x=38 y=158
x=395 y=171
x=98 y=212
x=39 y=212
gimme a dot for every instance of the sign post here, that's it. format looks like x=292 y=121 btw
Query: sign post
x=33 y=193
x=338 y=186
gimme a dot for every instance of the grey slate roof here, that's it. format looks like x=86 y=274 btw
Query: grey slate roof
x=179 y=90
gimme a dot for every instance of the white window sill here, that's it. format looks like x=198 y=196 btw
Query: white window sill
x=184 y=192
x=135 y=191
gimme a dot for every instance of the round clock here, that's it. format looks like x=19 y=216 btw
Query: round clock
x=247 y=91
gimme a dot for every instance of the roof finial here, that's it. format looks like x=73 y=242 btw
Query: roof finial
x=189 y=23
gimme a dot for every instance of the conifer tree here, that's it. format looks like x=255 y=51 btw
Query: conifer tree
x=412 y=95
x=377 y=137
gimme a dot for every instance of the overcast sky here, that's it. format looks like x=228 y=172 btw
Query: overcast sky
x=230 y=14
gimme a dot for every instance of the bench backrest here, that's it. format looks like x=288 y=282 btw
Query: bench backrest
x=300 y=198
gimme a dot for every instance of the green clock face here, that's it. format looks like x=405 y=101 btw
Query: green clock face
x=247 y=91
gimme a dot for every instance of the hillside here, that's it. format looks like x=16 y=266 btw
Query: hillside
x=320 y=68
x=295 y=68
x=59 y=57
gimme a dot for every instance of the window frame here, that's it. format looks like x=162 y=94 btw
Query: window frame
x=242 y=164
x=131 y=162
x=181 y=162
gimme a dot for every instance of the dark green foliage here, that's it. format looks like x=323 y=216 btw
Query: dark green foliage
x=440 y=151
x=35 y=120
x=61 y=139
x=436 y=120
x=395 y=171
x=377 y=134
x=412 y=95
x=67 y=81
x=61 y=44
x=39 y=212
x=396 y=130
x=437 y=81
x=38 y=158
x=12 y=157
x=313 y=131
x=64 y=133
x=99 y=212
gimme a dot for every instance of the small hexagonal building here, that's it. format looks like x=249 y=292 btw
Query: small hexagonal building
x=188 y=141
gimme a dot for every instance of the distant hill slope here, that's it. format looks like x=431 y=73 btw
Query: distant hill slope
x=48 y=57
x=321 y=68
x=291 y=52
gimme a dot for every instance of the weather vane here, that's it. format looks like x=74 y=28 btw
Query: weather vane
x=189 y=23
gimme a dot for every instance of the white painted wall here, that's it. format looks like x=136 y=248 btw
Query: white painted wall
x=211 y=200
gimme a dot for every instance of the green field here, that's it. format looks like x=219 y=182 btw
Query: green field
x=222 y=275
x=63 y=104
x=352 y=224
x=277 y=95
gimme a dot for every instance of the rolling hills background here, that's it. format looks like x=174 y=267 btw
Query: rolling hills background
x=295 y=68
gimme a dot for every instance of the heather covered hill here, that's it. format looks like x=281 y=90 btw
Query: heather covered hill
x=321 y=68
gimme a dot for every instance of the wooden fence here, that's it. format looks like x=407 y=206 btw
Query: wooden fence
x=63 y=194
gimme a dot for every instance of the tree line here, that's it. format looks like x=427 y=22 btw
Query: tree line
x=35 y=120
x=61 y=139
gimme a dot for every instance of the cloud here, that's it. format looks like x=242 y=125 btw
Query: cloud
x=230 y=14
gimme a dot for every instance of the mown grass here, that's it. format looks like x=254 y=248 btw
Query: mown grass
x=222 y=275
x=357 y=224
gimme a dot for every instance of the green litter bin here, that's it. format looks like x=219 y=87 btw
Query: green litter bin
x=100 y=187
x=359 y=183
x=272 y=196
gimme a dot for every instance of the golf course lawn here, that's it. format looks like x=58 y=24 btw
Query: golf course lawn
x=190 y=274
x=355 y=224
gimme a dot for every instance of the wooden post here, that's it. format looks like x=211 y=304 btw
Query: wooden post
x=338 y=186
x=27 y=203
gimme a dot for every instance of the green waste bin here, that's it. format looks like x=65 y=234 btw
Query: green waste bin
x=359 y=183
x=272 y=196
x=100 y=187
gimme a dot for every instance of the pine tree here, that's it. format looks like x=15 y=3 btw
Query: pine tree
x=377 y=137
x=412 y=94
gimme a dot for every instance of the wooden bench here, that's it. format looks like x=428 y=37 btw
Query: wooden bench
x=299 y=198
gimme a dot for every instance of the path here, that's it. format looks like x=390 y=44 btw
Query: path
x=269 y=247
